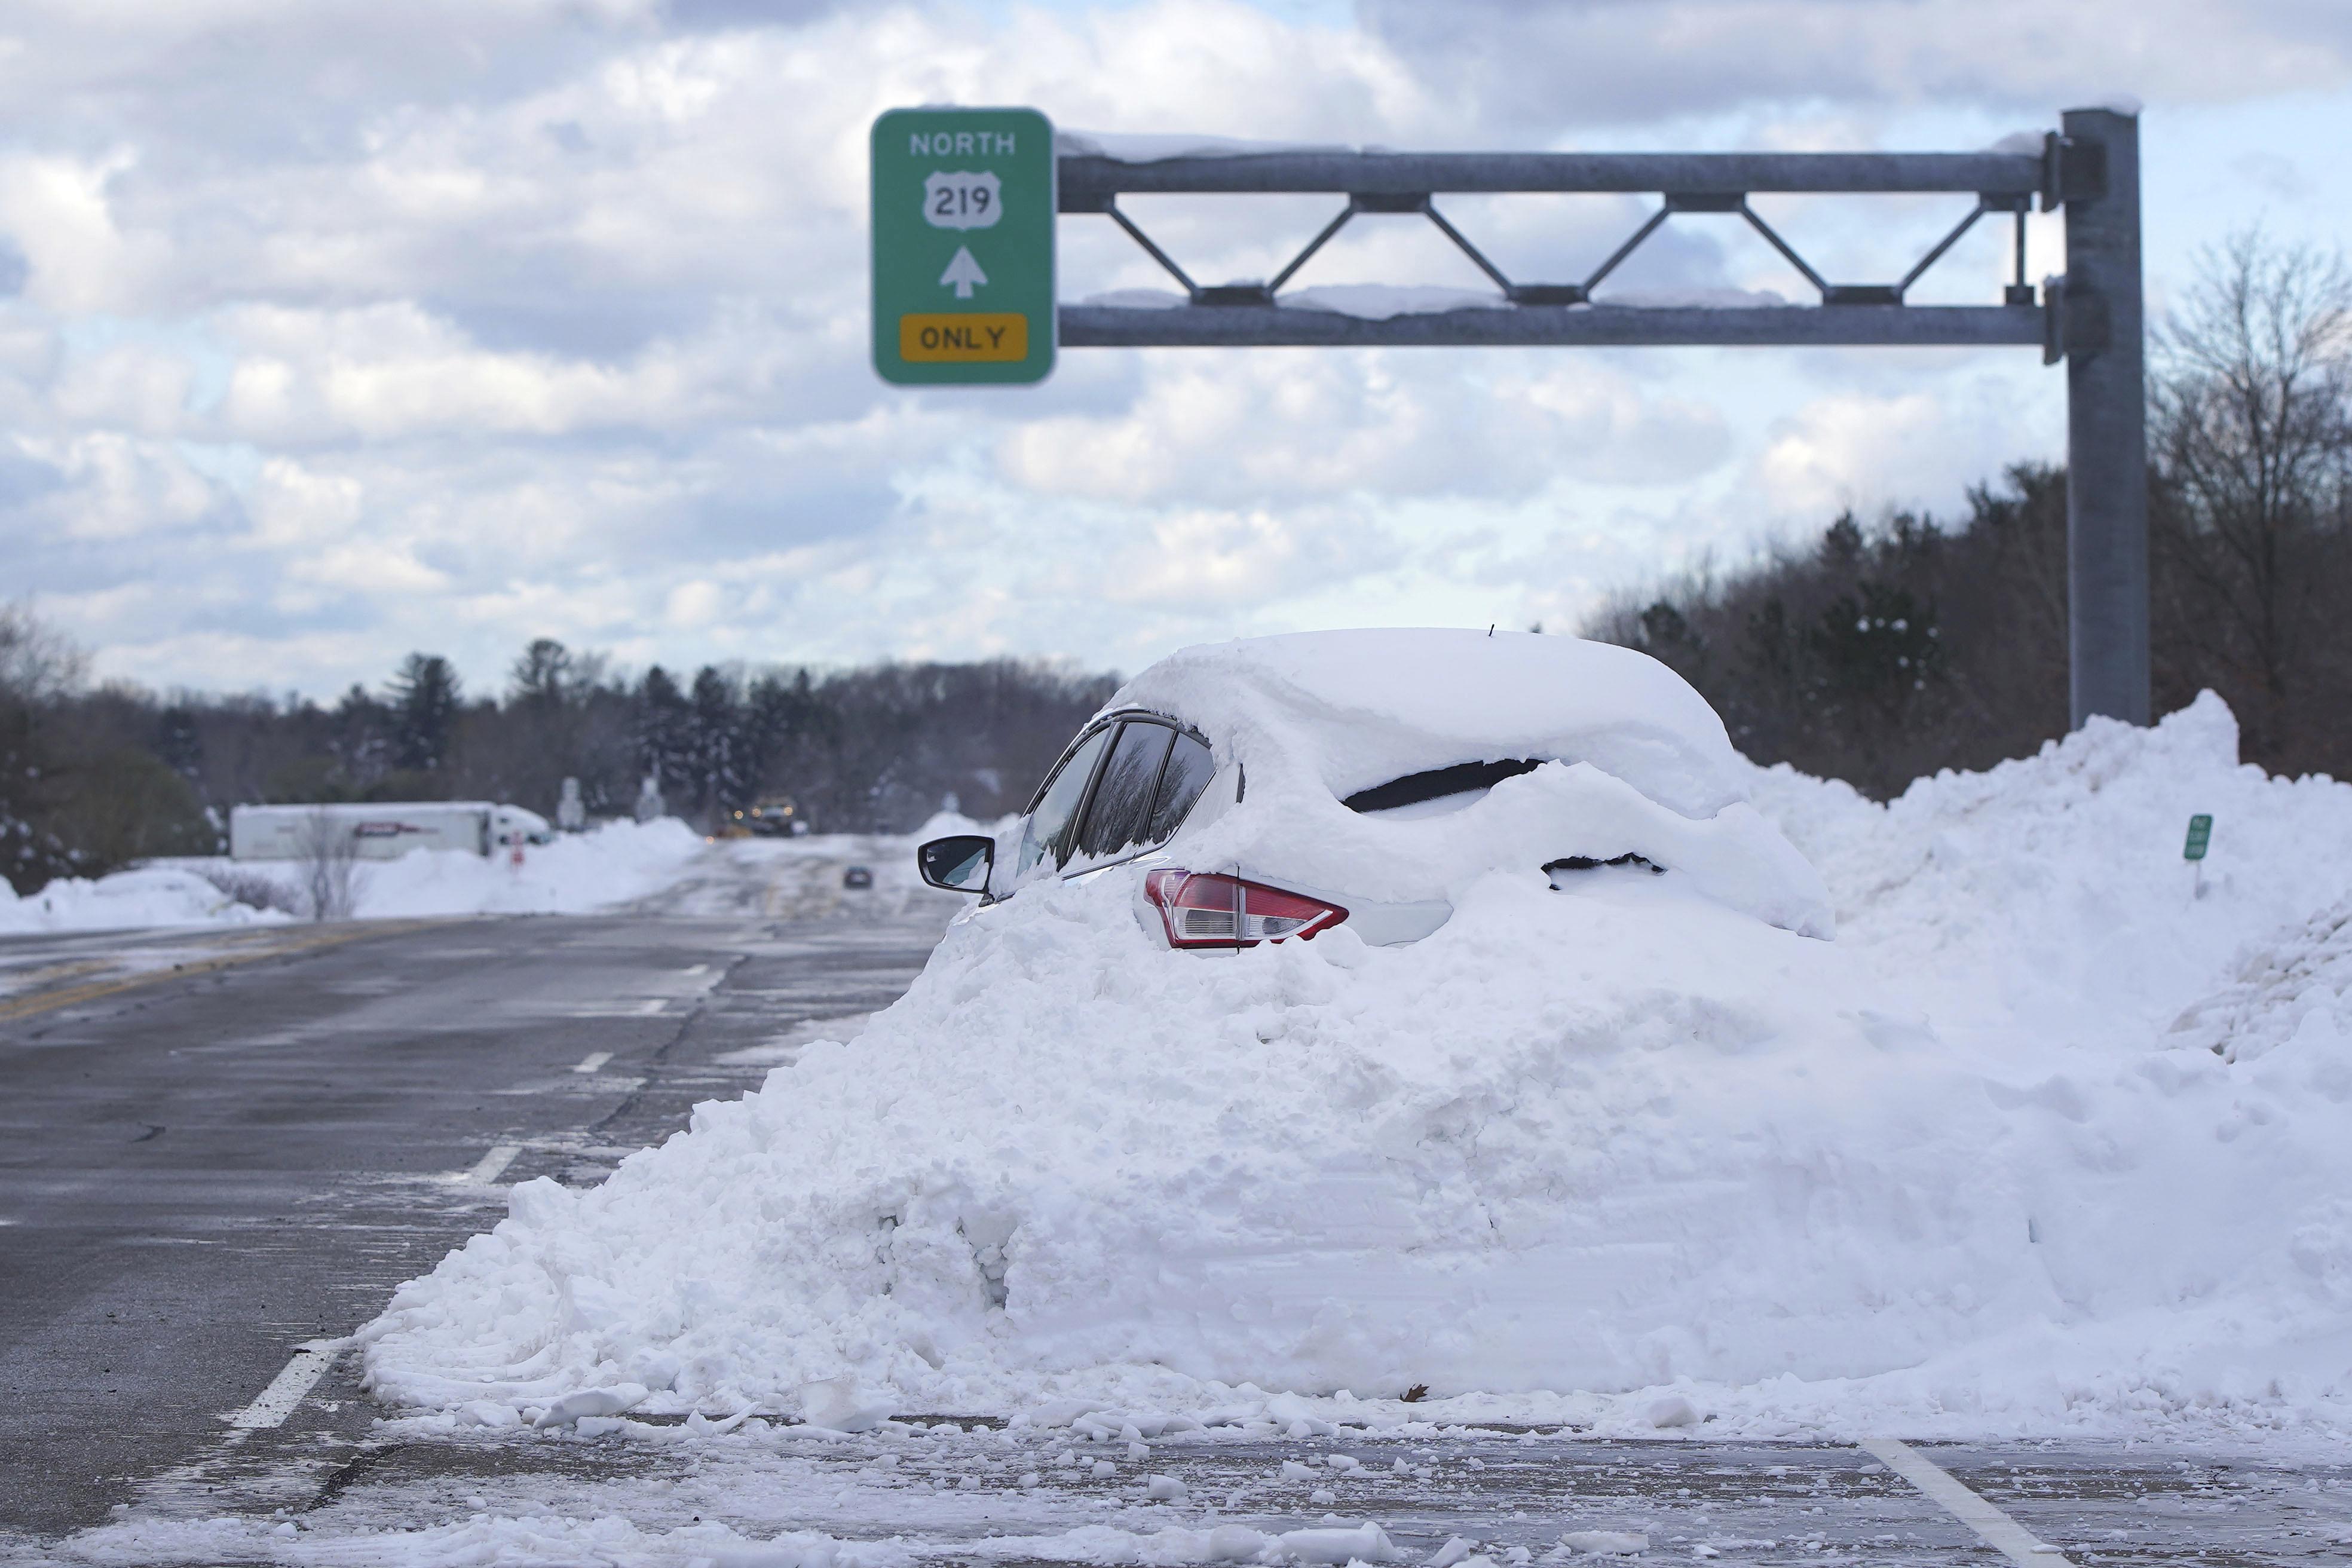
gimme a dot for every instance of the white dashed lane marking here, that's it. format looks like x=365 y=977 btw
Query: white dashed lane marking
x=592 y=1060
x=1999 y=1531
x=287 y=1389
x=486 y=1169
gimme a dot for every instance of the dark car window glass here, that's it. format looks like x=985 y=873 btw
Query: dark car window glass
x=1180 y=783
x=1123 y=809
x=1047 y=832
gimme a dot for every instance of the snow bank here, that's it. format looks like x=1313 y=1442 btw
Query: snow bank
x=575 y=874
x=1599 y=1153
x=150 y=896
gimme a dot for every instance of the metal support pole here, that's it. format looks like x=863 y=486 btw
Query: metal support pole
x=2107 y=420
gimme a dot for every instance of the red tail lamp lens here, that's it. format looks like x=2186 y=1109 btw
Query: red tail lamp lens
x=1200 y=909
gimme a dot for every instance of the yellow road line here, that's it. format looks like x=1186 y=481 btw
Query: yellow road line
x=48 y=1001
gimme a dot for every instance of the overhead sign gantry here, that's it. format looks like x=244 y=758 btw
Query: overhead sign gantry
x=2090 y=319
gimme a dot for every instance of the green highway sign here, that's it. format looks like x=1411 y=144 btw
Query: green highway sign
x=964 y=246
x=2201 y=833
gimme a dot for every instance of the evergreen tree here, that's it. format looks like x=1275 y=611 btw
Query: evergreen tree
x=722 y=781
x=664 y=746
x=424 y=702
x=541 y=675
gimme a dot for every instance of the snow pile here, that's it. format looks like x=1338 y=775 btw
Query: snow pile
x=2297 y=991
x=575 y=874
x=1604 y=1153
x=149 y=896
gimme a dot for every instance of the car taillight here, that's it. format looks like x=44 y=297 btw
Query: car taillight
x=1201 y=909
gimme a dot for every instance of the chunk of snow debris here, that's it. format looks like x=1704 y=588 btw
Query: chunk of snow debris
x=1673 y=1410
x=1137 y=1452
x=488 y=1413
x=609 y=1401
x=1342 y=1462
x=1104 y=1469
x=1323 y=1495
x=1235 y=1543
x=1367 y=1541
x=841 y=1404
x=1456 y=1549
x=1057 y=1412
x=1606 y=1543
x=1164 y=1489
x=1292 y=1470
x=1030 y=1478
x=1298 y=1418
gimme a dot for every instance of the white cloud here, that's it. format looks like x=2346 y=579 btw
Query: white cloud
x=1914 y=448
x=1536 y=62
x=347 y=329
x=1309 y=424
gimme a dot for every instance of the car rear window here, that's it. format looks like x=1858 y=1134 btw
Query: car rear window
x=1180 y=783
x=1121 y=813
x=1436 y=784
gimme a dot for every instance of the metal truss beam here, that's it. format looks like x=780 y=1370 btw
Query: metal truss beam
x=1088 y=183
x=1588 y=326
x=2090 y=319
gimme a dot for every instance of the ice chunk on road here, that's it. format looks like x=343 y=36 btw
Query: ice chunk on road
x=841 y=1404
x=1364 y=1543
x=588 y=1402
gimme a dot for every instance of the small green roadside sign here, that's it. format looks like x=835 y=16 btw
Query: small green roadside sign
x=2200 y=833
x=964 y=246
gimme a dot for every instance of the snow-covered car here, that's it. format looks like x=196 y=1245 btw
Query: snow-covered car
x=1274 y=788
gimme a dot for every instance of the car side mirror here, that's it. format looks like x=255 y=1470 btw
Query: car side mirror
x=960 y=863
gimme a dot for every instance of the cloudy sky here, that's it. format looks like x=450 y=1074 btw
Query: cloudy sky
x=331 y=329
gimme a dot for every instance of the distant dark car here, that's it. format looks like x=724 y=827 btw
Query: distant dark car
x=857 y=877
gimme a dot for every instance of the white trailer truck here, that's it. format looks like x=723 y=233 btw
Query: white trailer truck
x=382 y=830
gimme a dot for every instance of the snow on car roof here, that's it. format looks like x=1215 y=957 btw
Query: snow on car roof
x=1355 y=709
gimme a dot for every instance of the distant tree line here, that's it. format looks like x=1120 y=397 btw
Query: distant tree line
x=94 y=777
x=1880 y=652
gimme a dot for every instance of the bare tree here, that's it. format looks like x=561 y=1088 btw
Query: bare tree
x=36 y=663
x=2250 y=438
x=330 y=873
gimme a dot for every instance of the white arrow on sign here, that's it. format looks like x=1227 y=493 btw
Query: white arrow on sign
x=964 y=274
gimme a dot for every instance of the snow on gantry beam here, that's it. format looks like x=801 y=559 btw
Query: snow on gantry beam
x=1294 y=326
x=1088 y=181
